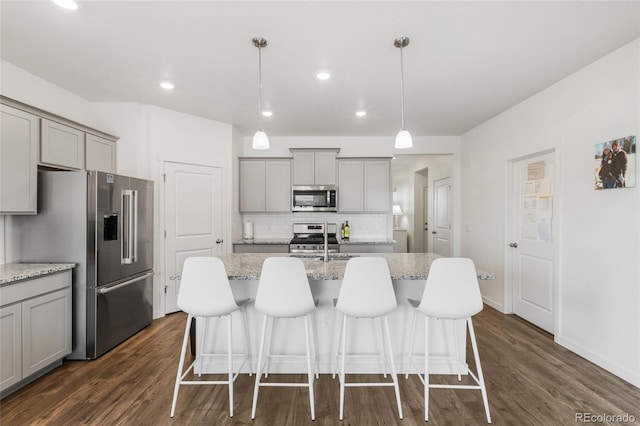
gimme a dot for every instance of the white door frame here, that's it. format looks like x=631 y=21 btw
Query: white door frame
x=508 y=232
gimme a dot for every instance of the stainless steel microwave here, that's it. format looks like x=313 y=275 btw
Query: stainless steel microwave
x=314 y=198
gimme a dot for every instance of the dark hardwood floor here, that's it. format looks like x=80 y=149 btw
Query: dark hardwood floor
x=530 y=381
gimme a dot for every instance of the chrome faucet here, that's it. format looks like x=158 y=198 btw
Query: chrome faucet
x=325 y=258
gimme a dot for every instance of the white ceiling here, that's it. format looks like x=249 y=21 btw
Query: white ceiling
x=467 y=61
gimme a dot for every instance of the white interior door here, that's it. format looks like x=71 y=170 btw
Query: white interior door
x=442 y=210
x=194 y=206
x=533 y=240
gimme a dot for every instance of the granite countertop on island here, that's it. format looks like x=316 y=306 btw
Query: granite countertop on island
x=403 y=266
x=13 y=272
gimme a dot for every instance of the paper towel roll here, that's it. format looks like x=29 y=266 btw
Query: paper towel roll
x=247 y=234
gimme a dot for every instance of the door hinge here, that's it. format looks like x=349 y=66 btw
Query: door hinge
x=165 y=233
x=164 y=177
x=165 y=289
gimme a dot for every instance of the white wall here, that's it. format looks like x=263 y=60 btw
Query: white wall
x=599 y=231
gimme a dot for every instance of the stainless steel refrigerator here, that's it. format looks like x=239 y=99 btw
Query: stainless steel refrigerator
x=104 y=223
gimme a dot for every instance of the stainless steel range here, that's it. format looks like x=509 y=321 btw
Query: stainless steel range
x=309 y=238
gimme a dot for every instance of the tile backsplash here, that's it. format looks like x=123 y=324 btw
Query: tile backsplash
x=280 y=225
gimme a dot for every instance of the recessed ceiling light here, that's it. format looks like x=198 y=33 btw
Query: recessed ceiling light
x=267 y=113
x=323 y=75
x=67 y=4
x=361 y=113
x=167 y=85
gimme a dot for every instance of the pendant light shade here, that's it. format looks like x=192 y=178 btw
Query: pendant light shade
x=403 y=139
x=260 y=139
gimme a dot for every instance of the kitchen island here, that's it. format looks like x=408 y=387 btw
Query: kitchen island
x=408 y=273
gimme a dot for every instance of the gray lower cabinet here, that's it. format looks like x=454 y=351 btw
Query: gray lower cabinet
x=366 y=248
x=19 y=138
x=35 y=324
x=261 y=248
x=400 y=237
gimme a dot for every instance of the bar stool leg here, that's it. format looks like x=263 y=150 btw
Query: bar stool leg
x=337 y=345
x=314 y=333
x=380 y=341
x=230 y=361
x=411 y=338
x=455 y=341
x=243 y=313
x=267 y=363
x=183 y=353
x=309 y=370
x=426 y=368
x=258 y=369
x=343 y=358
x=394 y=376
x=476 y=357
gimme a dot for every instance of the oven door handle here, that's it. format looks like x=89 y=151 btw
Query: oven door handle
x=124 y=284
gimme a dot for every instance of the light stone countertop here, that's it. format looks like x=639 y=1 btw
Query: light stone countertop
x=365 y=240
x=360 y=240
x=403 y=266
x=12 y=272
x=265 y=241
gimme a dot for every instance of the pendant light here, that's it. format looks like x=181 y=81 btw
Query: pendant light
x=260 y=139
x=403 y=138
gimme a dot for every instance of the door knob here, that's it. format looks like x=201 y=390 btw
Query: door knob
x=514 y=245
x=219 y=241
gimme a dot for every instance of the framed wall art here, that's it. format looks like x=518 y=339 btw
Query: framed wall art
x=615 y=163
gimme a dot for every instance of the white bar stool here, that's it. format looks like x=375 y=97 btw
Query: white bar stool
x=451 y=293
x=366 y=292
x=284 y=292
x=205 y=293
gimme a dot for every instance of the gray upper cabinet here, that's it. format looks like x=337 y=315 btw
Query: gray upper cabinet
x=252 y=186
x=18 y=161
x=61 y=145
x=278 y=185
x=377 y=186
x=364 y=185
x=265 y=185
x=350 y=185
x=314 y=166
x=100 y=154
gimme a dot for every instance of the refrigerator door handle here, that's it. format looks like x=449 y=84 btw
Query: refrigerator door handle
x=134 y=227
x=124 y=284
x=129 y=214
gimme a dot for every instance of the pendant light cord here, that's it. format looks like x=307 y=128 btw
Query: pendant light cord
x=259 y=86
x=402 y=83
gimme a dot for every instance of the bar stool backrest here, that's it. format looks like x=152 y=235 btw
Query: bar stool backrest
x=452 y=289
x=283 y=290
x=204 y=288
x=366 y=290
